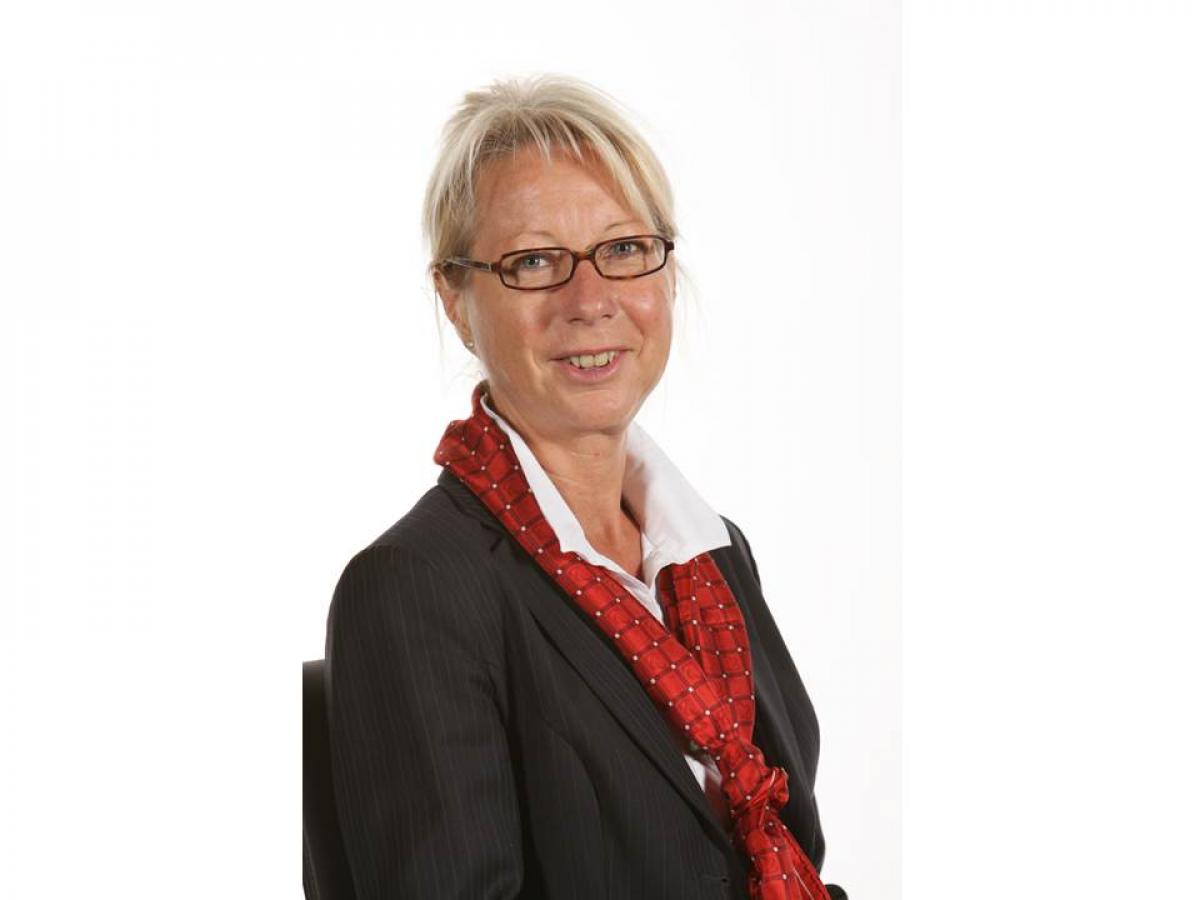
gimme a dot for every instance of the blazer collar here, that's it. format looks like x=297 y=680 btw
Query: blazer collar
x=468 y=504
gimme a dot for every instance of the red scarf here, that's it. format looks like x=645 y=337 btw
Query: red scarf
x=705 y=692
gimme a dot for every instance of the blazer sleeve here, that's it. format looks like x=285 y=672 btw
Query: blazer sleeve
x=422 y=777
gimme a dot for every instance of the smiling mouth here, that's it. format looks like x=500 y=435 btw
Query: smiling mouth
x=591 y=360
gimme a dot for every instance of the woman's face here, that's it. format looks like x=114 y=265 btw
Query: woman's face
x=523 y=337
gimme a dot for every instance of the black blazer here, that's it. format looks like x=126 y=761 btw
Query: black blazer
x=488 y=741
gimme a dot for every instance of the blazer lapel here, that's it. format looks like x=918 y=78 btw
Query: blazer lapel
x=592 y=656
x=596 y=661
x=772 y=731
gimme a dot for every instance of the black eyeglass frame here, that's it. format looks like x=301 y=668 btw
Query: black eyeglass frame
x=576 y=258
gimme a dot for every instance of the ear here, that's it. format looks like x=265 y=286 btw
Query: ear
x=454 y=304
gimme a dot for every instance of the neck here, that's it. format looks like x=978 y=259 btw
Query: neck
x=589 y=471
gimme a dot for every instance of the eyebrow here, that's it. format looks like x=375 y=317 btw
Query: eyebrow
x=549 y=236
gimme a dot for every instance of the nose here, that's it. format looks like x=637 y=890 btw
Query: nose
x=588 y=295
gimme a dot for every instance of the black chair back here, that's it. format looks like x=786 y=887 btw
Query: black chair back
x=326 y=870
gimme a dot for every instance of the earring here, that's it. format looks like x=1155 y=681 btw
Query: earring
x=470 y=345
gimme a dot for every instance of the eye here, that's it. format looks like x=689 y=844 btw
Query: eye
x=530 y=261
x=624 y=248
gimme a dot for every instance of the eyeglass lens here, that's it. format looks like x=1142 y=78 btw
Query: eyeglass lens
x=548 y=267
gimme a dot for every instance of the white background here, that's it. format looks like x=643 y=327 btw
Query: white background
x=1051 y=444
x=222 y=346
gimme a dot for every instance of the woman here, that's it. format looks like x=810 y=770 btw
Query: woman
x=556 y=676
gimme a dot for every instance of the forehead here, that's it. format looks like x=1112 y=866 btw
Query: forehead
x=528 y=194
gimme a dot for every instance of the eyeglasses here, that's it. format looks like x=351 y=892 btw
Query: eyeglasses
x=541 y=268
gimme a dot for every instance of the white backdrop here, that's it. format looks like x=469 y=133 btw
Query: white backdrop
x=216 y=338
x=1051 y=439
x=224 y=344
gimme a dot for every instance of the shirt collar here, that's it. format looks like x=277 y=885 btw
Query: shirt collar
x=677 y=524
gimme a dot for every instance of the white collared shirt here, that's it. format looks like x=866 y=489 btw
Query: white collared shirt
x=676 y=525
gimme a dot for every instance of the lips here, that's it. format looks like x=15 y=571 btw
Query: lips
x=594 y=352
x=592 y=374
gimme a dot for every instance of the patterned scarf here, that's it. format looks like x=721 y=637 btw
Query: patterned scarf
x=697 y=670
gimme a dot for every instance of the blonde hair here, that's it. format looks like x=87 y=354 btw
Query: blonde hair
x=551 y=112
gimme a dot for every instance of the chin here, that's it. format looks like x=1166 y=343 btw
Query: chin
x=596 y=412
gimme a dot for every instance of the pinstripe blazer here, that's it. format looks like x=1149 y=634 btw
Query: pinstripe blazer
x=488 y=741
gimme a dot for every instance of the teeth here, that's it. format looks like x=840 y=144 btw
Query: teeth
x=587 y=361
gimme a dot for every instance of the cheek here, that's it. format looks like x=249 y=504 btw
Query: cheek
x=654 y=317
x=513 y=335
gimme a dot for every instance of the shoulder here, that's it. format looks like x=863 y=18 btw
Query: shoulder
x=448 y=533
x=446 y=526
x=431 y=575
x=738 y=552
